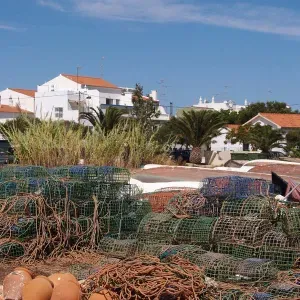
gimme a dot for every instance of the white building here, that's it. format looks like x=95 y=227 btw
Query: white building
x=23 y=98
x=218 y=106
x=221 y=143
x=66 y=95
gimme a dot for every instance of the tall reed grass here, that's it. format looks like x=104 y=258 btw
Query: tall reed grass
x=50 y=144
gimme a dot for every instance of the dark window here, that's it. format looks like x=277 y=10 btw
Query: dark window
x=59 y=112
x=109 y=101
x=118 y=102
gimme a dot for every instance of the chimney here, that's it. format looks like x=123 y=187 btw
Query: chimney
x=213 y=99
x=200 y=100
x=246 y=102
x=154 y=95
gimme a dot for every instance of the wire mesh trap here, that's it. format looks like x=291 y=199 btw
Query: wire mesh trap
x=22 y=172
x=253 y=269
x=244 y=230
x=11 y=249
x=236 y=187
x=195 y=231
x=254 y=206
x=284 y=291
x=237 y=250
x=118 y=248
x=291 y=221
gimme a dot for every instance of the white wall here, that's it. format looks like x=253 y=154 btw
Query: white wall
x=46 y=103
x=59 y=83
x=262 y=121
x=218 y=143
x=24 y=101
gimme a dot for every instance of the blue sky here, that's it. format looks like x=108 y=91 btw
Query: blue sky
x=196 y=46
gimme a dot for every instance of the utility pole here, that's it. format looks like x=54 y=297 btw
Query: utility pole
x=171 y=109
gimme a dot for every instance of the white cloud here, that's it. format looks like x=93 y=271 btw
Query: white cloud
x=267 y=19
x=11 y=28
x=51 y=4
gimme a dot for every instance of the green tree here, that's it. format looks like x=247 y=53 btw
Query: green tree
x=229 y=117
x=103 y=121
x=144 y=110
x=266 y=138
x=253 y=109
x=197 y=128
x=293 y=140
x=240 y=135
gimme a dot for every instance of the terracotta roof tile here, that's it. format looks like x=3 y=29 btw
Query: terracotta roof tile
x=283 y=120
x=30 y=93
x=13 y=109
x=91 y=81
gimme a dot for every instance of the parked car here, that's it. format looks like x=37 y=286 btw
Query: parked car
x=181 y=154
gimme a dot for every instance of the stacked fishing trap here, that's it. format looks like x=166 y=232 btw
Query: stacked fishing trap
x=232 y=228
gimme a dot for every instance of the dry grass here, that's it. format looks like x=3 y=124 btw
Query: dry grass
x=53 y=144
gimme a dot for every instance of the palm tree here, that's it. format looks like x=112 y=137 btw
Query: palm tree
x=266 y=138
x=104 y=121
x=197 y=128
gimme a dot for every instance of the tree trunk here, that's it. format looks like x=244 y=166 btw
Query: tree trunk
x=196 y=157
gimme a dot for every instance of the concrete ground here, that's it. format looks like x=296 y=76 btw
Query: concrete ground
x=169 y=174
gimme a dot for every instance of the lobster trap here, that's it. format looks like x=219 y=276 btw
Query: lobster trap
x=237 y=250
x=284 y=291
x=291 y=221
x=235 y=187
x=194 y=204
x=255 y=206
x=11 y=249
x=249 y=231
x=158 y=227
x=195 y=231
x=118 y=248
x=253 y=269
x=22 y=172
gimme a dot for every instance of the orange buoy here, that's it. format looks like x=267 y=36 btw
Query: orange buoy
x=40 y=288
x=57 y=278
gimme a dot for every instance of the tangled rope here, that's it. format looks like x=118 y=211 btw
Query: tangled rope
x=146 y=277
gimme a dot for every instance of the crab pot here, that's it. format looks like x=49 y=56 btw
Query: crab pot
x=254 y=206
x=291 y=221
x=113 y=174
x=232 y=294
x=8 y=189
x=284 y=291
x=21 y=205
x=217 y=266
x=83 y=173
x=238 y=250
x=248 y=231
x=110 y=225
x=11 y=249
x=283 y=258
x=118 y=248
x=275 y=239
x=159 y=200
x=21 y=172
x=190 y=202
x=24 y=228
x=195 y=231
x=158 y=227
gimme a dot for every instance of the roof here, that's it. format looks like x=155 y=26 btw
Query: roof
x=283 y=120
x=91 y=81
x=13 y=109
x=233 y=126
x=146 y=98
x=30 y=93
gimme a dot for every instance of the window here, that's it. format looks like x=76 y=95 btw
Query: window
x=109 y=101
x=118 y=102
x=59 y=112
x=11 y=102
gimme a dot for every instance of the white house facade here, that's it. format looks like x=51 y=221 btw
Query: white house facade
x=218 y=106
x=23 y=98
x=221 y=143
x=65 y=96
